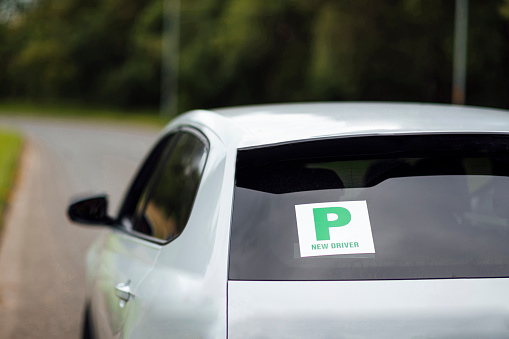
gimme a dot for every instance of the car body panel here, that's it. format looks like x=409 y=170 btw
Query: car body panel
x=270 y=124
x=191 y=271
x=251 y=126
x=281 y=123
x=460 y=308
x=121 y=259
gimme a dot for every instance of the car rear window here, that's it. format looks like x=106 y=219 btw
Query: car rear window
x=368 y=208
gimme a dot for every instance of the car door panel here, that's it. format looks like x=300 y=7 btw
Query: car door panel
x=123 y=259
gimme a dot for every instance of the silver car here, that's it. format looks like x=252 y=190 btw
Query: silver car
x=310 y=221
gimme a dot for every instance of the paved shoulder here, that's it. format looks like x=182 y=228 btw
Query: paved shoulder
x=41 y=257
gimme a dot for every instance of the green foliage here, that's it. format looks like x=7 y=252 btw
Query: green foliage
x=96 y=51
x=488 y=52
x=79 y=112
x=10 y=148
x=235 y=52
x=250 y=51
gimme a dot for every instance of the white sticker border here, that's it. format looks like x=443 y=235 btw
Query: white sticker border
x=351 y=239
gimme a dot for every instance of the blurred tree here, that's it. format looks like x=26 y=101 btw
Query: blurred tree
x=95 y=51
x=243 y=51
x=38 y=63
x=298 y=50
x=135 y=80
x=488 y=52
x=236 y=52
x=391 y=50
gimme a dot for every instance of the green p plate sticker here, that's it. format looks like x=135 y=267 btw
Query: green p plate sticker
x=333 y=228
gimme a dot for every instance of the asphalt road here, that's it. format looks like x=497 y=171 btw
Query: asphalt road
x=41 y=252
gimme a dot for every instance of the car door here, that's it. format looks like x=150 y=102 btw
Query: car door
x=123 y=259
x=124 y=262
x=154 y=213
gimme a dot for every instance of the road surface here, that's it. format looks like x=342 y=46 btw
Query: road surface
x=42 y=287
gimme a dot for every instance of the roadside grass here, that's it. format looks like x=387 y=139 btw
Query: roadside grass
x=146 y=117
x=10 y=148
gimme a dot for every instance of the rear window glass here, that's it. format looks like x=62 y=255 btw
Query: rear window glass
x=398 y=207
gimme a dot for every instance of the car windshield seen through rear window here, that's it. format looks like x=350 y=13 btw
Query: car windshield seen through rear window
x=365 y=208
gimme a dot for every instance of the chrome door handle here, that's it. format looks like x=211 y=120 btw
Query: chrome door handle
x=123 y=291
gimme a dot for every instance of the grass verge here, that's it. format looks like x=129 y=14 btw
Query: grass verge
x=10 y=148
x=79 y=112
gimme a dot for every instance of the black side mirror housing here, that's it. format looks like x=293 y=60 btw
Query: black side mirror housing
x=91 y=211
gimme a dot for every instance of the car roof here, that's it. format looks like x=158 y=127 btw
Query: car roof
x=271 y=124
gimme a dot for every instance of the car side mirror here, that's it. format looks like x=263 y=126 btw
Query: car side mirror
x=92 y=211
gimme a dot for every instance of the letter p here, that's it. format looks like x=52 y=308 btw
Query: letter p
x=329 y=217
